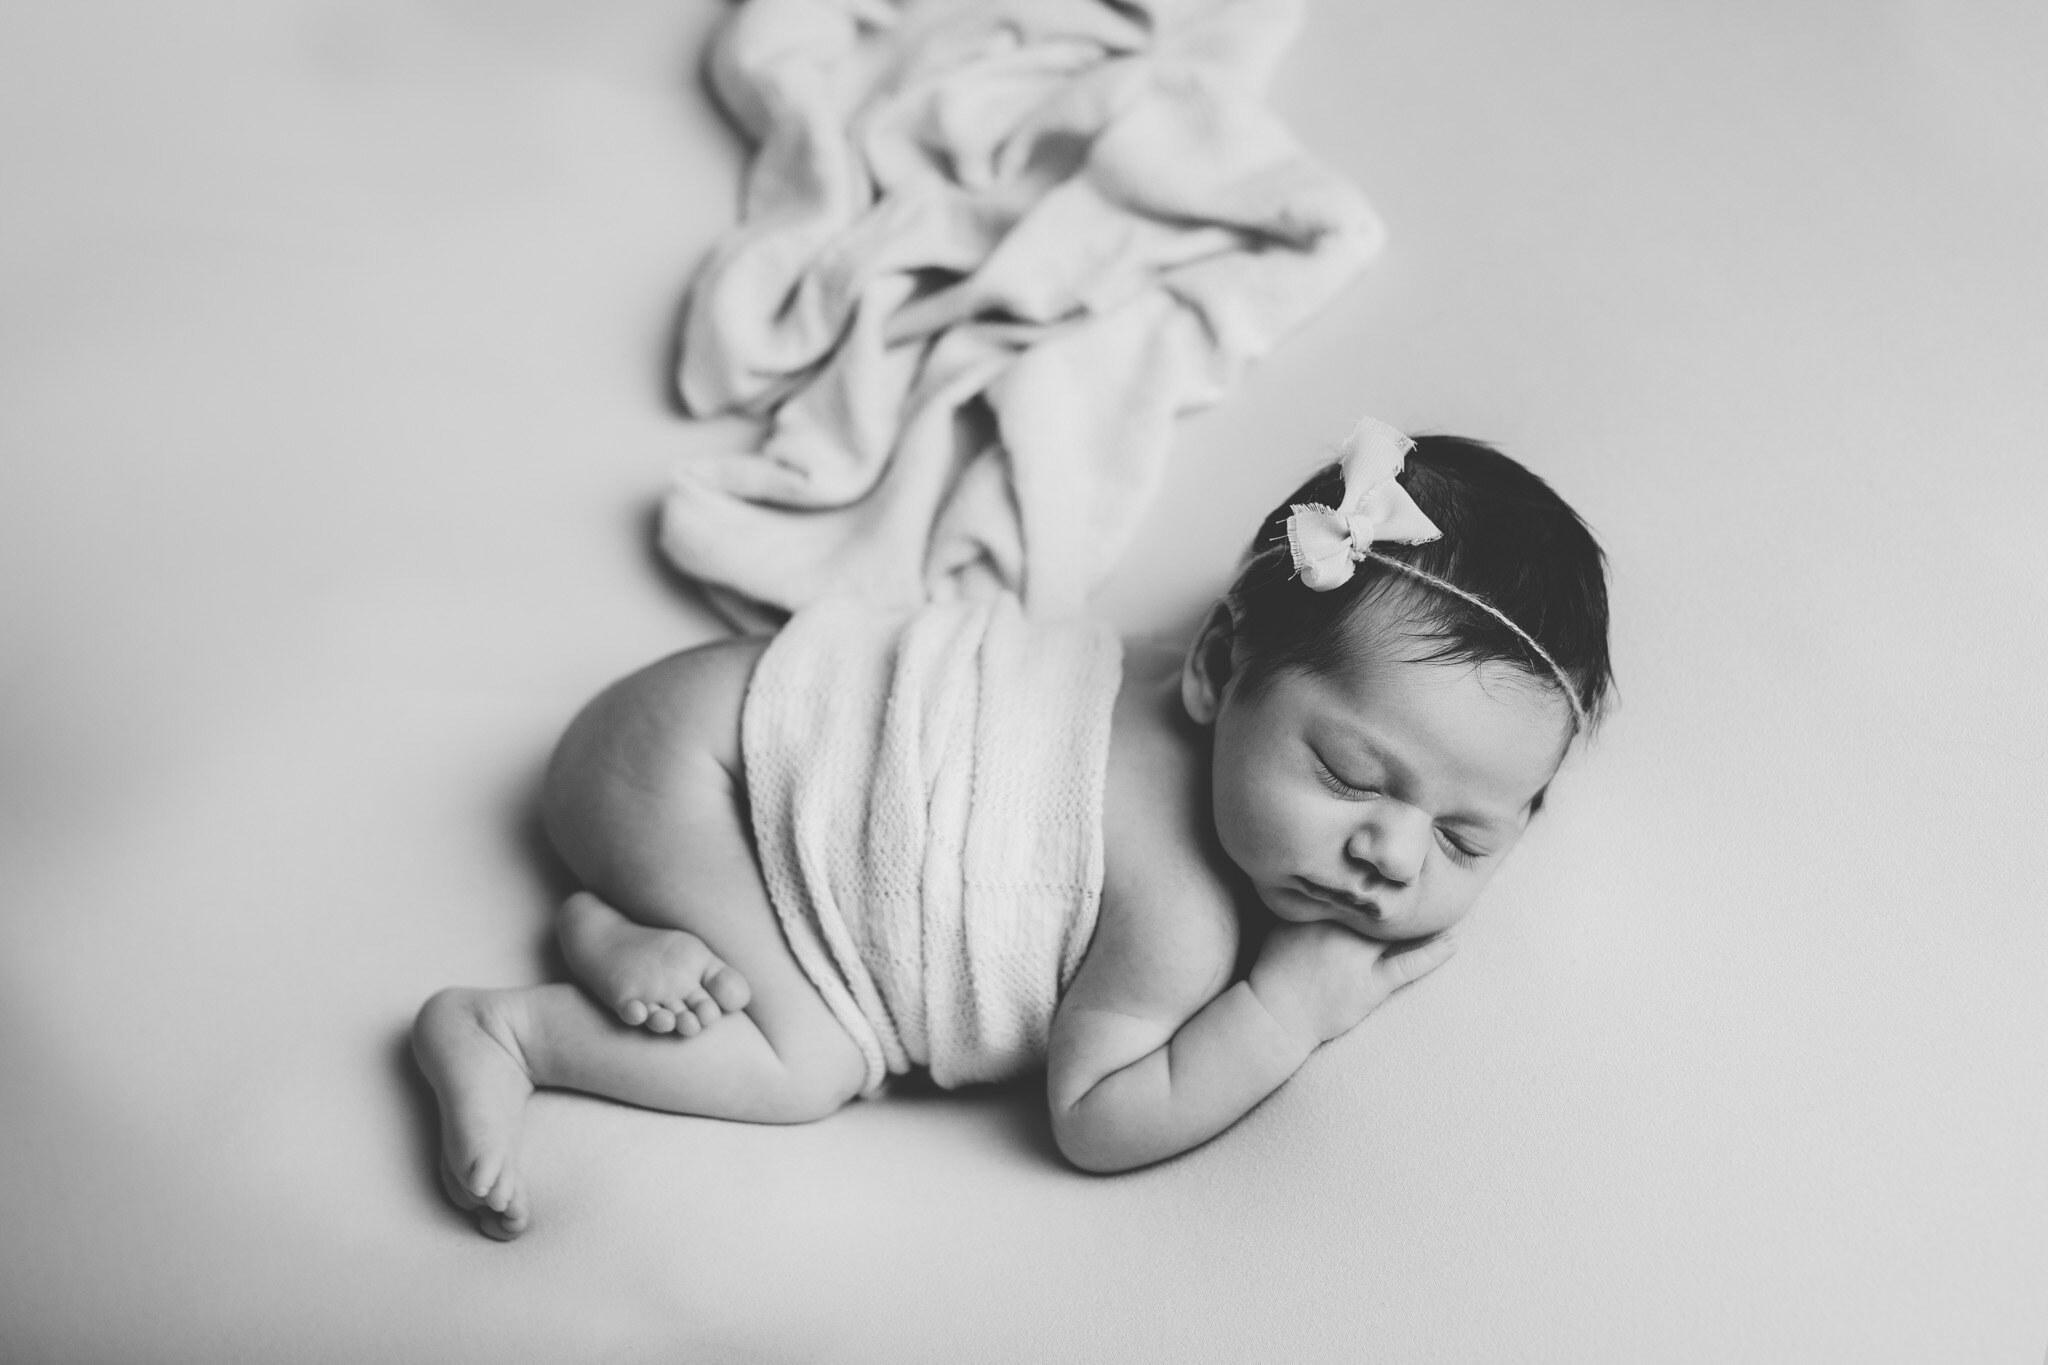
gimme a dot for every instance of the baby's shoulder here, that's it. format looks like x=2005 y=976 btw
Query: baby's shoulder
x=1157 y=773
x=1166 y=896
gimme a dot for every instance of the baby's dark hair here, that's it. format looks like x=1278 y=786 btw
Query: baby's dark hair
x=1508 y=539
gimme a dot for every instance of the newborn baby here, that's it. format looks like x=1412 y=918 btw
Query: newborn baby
x=965 y=842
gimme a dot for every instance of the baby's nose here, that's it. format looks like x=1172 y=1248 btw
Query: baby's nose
x=1393 y=842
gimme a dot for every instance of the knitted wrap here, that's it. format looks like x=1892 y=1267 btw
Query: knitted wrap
x=926 y=795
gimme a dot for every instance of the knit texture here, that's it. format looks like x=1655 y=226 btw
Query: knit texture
x=926 y=793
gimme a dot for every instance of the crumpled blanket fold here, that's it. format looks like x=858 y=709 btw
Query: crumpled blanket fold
x=988 y=250
x=926 y=798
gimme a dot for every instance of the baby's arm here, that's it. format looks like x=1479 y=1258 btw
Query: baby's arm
x=1148 y=1059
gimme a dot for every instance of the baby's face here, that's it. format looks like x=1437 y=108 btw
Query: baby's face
x=1384 y=799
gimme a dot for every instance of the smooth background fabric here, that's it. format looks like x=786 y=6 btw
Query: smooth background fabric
x=331 y=421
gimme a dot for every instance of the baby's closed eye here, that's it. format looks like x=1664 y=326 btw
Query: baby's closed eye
x=1341 y=786
x=1457 y=849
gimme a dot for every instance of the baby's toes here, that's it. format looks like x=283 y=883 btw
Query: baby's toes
x=728 y=988
x=688 y=1024
x=499 y=1198
x=661 y=1019
x=503 y=1227
x=484 y=1174
x=632 y=1012
x=704 y=1010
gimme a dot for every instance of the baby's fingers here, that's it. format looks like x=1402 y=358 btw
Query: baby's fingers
x=1412 y=964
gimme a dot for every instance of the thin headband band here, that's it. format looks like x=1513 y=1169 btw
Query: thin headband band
x=1580 y=721
x=1571 y=693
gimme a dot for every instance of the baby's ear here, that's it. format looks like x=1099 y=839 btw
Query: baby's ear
x=1206 y=671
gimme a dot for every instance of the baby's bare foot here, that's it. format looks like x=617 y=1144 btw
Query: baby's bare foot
x=664 y=980
x=467 y=1050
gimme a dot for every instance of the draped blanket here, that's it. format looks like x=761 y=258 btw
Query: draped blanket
x=988 y=250
x=926 y=799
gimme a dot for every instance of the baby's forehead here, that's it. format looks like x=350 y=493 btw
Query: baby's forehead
x=1393 y=638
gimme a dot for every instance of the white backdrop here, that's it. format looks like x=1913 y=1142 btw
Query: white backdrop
x=332 y=344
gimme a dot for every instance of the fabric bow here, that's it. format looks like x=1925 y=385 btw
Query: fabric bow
x=1327 y=541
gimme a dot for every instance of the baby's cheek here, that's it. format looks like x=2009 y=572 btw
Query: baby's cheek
x=1292 y=831
x=1236 y=825
x=1457 y=894
x=1244 y=824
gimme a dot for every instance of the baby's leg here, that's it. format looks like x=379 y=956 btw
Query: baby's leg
x=784 y=1059
x=670 y=848
x=486 y=1050
x=643 y=801
x=645 y=806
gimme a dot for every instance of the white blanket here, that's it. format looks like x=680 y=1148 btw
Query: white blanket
x=927 y=807
x=988 y=250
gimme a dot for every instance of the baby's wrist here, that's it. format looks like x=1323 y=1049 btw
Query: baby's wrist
x=1285 y=1010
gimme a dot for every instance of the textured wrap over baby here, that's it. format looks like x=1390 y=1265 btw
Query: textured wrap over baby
x=926 y=794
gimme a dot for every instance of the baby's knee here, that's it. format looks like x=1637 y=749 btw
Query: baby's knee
x=818 y=1083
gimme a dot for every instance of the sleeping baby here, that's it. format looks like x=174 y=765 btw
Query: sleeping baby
x=965 y=842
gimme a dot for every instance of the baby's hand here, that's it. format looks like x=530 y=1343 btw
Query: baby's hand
x=1320 y=979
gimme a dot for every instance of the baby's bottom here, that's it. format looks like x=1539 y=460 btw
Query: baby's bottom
x=643 y=804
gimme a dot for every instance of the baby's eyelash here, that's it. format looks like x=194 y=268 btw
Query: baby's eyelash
x=1337 y=784
x=1456 y=851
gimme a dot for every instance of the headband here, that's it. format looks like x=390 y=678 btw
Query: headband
x=1328 y=542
